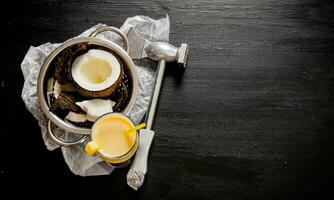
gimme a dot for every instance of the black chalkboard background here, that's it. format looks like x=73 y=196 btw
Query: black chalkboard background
x=251 y=117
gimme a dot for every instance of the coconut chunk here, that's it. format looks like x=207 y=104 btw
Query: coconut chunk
x=50 y=88
x=75 y=117
x=58 y=88
x=65 y=102
x=95 y=108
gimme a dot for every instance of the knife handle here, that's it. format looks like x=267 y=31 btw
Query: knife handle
x=136 y=175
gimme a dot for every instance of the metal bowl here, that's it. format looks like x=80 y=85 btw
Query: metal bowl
x=45 y=74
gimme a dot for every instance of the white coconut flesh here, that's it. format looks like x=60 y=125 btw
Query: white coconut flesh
x=58 y=88
x=96 y=70
x=95 y=108
x=76 y=117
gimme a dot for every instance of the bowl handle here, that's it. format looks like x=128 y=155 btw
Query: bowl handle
x=115 y=30
x=62 y=142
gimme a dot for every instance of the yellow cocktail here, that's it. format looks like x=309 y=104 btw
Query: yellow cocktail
x=113 y=138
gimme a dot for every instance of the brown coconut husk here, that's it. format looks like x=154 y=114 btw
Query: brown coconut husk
x=63 y=62
x=64 y=104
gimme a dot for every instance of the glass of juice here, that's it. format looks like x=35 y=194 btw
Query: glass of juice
x=111 y=140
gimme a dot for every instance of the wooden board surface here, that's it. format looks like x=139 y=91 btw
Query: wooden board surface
x=252 y=117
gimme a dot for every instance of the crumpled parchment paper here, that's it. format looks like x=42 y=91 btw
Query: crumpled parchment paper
x=75 y=157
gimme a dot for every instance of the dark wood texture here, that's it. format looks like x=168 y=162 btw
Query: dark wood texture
x=252 y=117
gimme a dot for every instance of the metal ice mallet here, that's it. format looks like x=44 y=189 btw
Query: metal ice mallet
x=156 y=51
x=138 y=169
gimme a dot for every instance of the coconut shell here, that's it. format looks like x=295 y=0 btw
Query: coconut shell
x=65 y=103
x=102 y=93
x=61 y=70
x=121 y=95
x=63 y=62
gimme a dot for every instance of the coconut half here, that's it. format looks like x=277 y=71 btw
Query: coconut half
x=96 y=73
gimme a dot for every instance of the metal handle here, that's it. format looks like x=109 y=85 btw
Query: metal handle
x=156 y=92
x=136 y=175
x=115 y=30
x=61 y=142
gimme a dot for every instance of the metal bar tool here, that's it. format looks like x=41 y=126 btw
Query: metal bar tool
x=162 y=52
